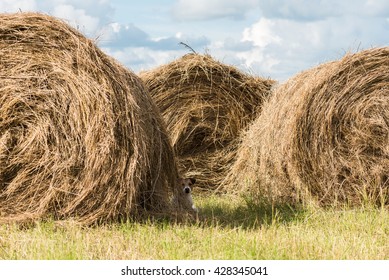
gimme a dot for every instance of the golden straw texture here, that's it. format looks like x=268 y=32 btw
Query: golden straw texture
x=323 y=134
x=79 y=135
x=205 y=104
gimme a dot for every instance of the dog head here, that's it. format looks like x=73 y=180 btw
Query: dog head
x=186 y=184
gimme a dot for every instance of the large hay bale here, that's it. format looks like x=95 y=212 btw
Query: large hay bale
x=205 y=104
x=324 y=134
x=79 y=135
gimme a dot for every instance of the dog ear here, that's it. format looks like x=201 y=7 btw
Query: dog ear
x=192 y=180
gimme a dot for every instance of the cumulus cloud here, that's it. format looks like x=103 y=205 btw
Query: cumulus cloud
x=88 y=16
x=141 y=58
x=322 y=9
x=127 y=42
x=139 y=51
x=101 y=9
x=284 y=46
x=301 y=9
x=285 y=37
x=212 y=9
x=261 y=33
x=119 y=36
x=12 y=6
x=79 y=18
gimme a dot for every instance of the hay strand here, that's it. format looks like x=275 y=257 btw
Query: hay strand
x=324 y=134
x=205 y=104
x=79 y=135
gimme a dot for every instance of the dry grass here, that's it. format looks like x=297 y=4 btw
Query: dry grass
x=322 y=134
x=206 y=105
x=79 y=135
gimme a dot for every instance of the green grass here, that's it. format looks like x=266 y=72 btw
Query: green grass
x=228 y=228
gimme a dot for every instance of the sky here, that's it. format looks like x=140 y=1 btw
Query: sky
x=269 y=38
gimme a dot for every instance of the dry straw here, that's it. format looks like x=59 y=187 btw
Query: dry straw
x=79 y=135
x=324 y=134
x=205 y=104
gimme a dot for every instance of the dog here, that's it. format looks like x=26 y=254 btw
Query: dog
x=184 y=198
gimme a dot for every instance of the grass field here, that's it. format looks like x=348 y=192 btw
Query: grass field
x=228 y=228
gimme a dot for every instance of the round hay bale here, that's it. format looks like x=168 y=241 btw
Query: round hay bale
x=79 y=135
x=205 y=104
x=324 y=134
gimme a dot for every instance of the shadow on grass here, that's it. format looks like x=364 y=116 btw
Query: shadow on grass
x=248 y=214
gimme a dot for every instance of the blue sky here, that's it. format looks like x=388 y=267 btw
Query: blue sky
x=269 y=38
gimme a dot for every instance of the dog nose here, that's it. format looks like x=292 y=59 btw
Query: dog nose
x=187 y=190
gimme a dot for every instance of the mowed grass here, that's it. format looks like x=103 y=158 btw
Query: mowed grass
x=228 y=228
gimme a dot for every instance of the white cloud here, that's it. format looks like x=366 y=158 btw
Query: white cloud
x=141 y=58
x=285 y=46
x=261 y=33
x=79 y=18
x=118 y=36
x=89 y=16
x=211 y=9
x=12 y=6
x=126 y=41
x=376 y=8
x=322 y=9
x=101 y=9
x=279 y=38
x=301 y=9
